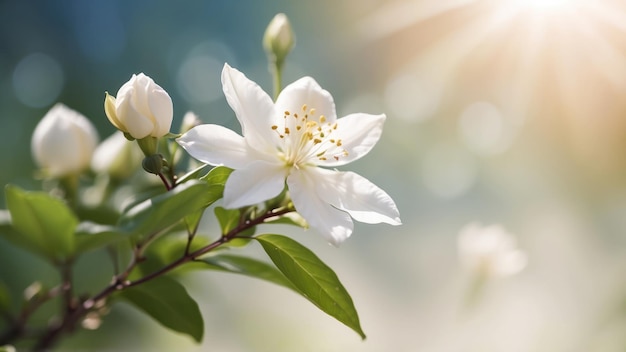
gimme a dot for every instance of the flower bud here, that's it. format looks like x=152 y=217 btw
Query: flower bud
x=141 y=109
x=153 y=163
x=190 y=120
x=116 y=156
x=279 y=38
x=63 y=141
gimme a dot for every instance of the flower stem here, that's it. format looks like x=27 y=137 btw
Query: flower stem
x=165 y=182
x=276 y=69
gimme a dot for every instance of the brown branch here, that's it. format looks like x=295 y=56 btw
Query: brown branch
x=120 y=281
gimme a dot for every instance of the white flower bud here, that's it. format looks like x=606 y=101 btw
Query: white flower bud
x=141 y=109
x=279 y=38
x=63 y=141
x=116 y=156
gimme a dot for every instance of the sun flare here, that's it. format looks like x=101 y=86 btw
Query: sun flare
x=543 y=4
x=561 y=61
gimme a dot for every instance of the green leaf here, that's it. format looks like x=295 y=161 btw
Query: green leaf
x=90 y=236
x=314 y=279
x=192 y=221
x=168 y=302
x=292 y=218
x=8 y=232
x=191 y=174
x=45 y=224
x=228 y=218
x=5 y=298
x=249 y=267
x=158 y=213
x=217 y=176
x=167 y=249
x=216 y=179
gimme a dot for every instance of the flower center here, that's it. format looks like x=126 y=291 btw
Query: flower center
x=307 y=138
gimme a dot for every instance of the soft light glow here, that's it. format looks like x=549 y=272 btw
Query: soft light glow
x=559 y=62
x=543 y=4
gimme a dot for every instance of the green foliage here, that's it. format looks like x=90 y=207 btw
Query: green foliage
x=313 y=279
x=5 y=298
x=193 y=174
x=228 y=218
x=167 y=249
x=292 y=218
x=158 y=213
x=216 y=179
x=90 y=236
x=192 y=221
x=43 y=224
x=217 y=176
x=249 y=267
x=168 y=302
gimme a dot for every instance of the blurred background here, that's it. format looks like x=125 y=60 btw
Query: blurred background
x=508 y=112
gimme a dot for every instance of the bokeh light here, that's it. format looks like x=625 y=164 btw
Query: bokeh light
x=38 y=80
x=484 y=129
x=198 y=77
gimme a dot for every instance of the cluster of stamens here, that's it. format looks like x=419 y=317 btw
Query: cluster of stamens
x=305 y=137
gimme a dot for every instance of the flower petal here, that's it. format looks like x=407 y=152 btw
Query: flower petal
x=305 y=186
x=217 y=145
x=109 y=110
x=306 y=91
x=256 y=182
x=162 y=109
x=362 y=199
x=252 y=106
x=358 y=134
x=136 y=124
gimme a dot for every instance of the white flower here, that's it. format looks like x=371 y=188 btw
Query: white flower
x=116 y=156
x=285 y=142
x=63 y=141
x=490 y=251
x=142 y=108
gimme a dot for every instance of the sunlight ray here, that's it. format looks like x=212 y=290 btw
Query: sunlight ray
x=404 y=14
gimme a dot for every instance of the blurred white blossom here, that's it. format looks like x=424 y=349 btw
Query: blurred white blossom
x=490 y=251
x=63 y=142
x=116 y=156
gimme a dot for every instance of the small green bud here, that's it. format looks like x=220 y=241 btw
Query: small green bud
x=153 y=163
x=279 y=38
